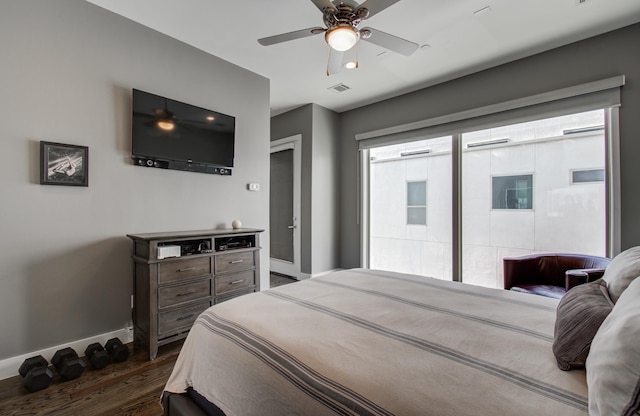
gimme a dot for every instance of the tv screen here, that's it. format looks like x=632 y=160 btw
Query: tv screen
x=166 y=131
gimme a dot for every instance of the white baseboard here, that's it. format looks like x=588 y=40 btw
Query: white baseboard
x=9 y=366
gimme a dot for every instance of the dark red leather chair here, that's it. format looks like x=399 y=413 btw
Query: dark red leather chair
x=551 y=274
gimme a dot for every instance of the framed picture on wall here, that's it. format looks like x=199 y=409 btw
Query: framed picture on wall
x=64 y=164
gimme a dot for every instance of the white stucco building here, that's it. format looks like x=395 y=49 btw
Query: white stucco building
x=526 y=188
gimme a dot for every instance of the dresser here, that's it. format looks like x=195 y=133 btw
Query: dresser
x=177 y=275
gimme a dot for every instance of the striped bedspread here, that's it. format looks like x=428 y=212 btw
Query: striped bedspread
x=367 y=342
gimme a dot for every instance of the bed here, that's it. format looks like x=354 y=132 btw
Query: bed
x=368 y=342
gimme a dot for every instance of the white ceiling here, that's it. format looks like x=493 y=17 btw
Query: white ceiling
x=457 y=41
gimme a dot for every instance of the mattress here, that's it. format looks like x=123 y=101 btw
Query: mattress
x=368 y=342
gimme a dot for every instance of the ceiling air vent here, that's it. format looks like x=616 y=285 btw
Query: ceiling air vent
x=338 y=88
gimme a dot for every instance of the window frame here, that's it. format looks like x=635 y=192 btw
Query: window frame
x=603 y=94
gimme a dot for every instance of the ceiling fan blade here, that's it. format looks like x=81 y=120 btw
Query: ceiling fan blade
x=376 y=6
x=393 y=43
x=322 y=4
x=335 y=61
x=285 y=37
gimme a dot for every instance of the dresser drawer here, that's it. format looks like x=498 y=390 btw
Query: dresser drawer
x=173 y=295
x=231 y=262
x=182 y=318
x=183 y=269
x=234 y=281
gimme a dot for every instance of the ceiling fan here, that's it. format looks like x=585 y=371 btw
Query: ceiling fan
x=342 y=19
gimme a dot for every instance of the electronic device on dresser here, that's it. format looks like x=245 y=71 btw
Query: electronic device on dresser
x=170 y=134
x=234 y=242
x=188 y=247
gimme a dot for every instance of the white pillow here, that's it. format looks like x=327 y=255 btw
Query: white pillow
x=621 y=271
x=613 y=364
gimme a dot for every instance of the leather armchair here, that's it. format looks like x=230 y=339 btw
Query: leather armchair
x=551 y=274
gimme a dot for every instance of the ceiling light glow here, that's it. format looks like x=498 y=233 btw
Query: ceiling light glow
x=351 y=65
x=342 y=38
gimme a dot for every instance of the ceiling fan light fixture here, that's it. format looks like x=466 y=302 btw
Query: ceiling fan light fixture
x=166 y=125
x=342 y=37
x=351 y=65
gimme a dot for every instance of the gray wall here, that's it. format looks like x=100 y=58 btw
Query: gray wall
x=319 y=222
x=604 y=56
x=326 y=185
x=67 y=71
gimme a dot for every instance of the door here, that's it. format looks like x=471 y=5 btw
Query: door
x=284 y=206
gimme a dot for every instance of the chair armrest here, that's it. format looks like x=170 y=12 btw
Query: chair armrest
x=518 y=270
x=577 y=277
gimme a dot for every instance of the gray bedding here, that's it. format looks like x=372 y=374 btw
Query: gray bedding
x=366 y=342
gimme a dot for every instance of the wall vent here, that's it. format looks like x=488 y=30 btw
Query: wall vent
x=582 y=130
x=416 y=153
x=338 y=88
x=487 y=143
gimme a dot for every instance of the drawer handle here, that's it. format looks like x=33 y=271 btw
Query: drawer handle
x=182 y=318
x=187 y=269
x=235 y=282
x=185 y=293
x=236 y=261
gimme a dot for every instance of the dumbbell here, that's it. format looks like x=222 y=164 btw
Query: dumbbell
x=68 y=364
x=97 y=355
x=36 y=372
x=117 y=350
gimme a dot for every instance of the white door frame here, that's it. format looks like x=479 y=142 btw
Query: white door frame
x=294 y=143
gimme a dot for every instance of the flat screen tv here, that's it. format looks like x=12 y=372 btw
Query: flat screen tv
x=170 y=134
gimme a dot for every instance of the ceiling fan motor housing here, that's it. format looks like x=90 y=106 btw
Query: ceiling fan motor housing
x=342 y=25
x=344 y=15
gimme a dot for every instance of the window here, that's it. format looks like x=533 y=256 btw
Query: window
x=517 y=198
x=587 y=175
x=512 y=192
x=403 y=235
x=417 y=203
x=492 y=189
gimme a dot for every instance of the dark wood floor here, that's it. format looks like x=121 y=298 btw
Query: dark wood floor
x=129 y=388
x=277 y=279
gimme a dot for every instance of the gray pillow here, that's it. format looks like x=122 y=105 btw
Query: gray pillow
x=613 y=365
x=579 y=315
x=621 y=271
